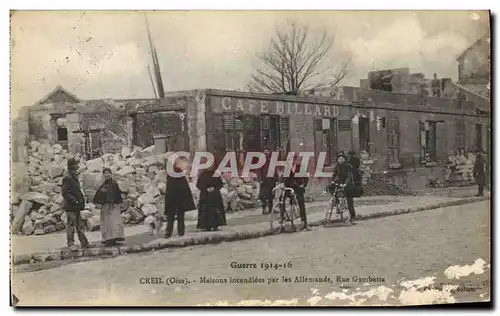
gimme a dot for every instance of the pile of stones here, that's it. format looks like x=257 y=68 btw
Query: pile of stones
x=140 y=174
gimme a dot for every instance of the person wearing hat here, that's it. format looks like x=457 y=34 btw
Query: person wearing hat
x=353 y=160
x=74 y=203
x=343 y=174
x=109 y=197
x=178 y=197
x=211 y=212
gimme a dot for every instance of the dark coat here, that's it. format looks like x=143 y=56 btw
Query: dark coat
x=72 y=193
x=211 y=208
x=343 y=173
x=354 y=162
x=295 y=182
x=108 y=192
x=479 y=174
x=267 y=183
x=178 y=196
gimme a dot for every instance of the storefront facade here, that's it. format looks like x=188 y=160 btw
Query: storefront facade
x=396 y=136
x=399 y=133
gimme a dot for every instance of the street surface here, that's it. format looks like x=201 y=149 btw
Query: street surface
x=138 y=234
x=388 y=250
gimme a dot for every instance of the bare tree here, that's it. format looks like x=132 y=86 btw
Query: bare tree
x=296 y=62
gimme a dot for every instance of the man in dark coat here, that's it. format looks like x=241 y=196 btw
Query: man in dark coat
x=74 y=203
x=267 y=183
x=353 y=160
x=178 y=200
x=355 y=164
x=479 y=174
x=343 y=174
x=298 y=184
x=211 y=212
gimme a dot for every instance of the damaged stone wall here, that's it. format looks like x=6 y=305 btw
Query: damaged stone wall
x=171 y=124
x=196 y=121
x=169 y=117
x=113 y=125
x=39 y=126
x=115 y=118
x=19 y=139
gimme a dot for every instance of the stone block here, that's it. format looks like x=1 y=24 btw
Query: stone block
x=23 y=210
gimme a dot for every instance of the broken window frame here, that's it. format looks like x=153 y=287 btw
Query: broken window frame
x=460 y=133
x=393 y=139
x=226 y=132
x=364 y=138
x=62 y=131
x=328 y=140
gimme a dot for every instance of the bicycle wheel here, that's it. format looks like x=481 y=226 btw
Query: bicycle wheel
x=328 y=212
x=343 y=210
x=292 y=213
x=273 y=215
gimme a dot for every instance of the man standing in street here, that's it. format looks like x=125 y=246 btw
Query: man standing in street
x=267 y=184
x=178 y=198
x=358 y=181
x=343 y=174
x=74 y=202
x=298 y=184
x=479 y=173
x=353 y=160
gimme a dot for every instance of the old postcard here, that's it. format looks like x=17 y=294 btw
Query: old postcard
x=250 y=158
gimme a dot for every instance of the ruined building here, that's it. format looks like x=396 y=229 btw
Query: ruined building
x=401 y=130
x=398 y=132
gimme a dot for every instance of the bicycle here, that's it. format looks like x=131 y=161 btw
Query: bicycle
x=289 y=213
x=338 y=194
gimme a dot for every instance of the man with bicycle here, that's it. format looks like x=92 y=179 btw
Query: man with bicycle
x=267 y=183
x=298 y=184
x=344 y=174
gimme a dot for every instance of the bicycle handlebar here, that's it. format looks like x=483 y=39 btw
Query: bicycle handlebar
x=284 y=188
x=342 y=185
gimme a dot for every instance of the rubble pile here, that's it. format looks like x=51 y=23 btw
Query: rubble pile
x=380 y=187
x=140 y=173
x=459 y=170
x=39 y=211
x=240 y=193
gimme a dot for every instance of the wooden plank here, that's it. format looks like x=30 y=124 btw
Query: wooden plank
x=88 y=131
x=173 y=109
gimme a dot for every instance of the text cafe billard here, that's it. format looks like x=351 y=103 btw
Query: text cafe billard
x=252 y=106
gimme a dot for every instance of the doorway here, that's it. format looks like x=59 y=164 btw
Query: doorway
x=479 y=137
x=364 y=134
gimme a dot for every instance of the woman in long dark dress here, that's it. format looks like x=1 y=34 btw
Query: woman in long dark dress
x=178 y=199
x=109 y=197
x=211 y=213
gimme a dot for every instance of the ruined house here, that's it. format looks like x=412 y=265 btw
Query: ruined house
x=401 y=134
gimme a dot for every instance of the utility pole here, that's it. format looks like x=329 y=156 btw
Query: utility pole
x=156 y=65
x=152 y=82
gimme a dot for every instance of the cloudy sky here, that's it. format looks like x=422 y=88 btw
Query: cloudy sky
x=105 y=54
